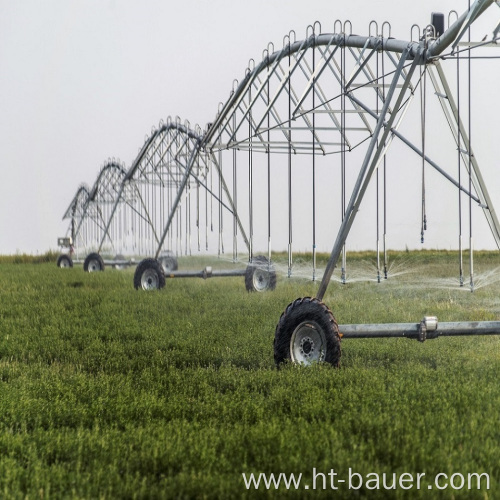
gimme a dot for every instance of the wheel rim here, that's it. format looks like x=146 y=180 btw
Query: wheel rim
x=166 y=264
x=150 y=280
x=260 y=280
x=308 y=343
x=64 y=263
x=119 y=266
x=94 y=265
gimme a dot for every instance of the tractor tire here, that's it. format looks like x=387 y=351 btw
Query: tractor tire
x=168 y=262
x=93 y=263
x=119 y=266
x=260 y=275
x=64 y=261
x=149 y=275
x=307 y=333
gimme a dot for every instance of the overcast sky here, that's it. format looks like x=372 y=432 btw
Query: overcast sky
x=85 y=80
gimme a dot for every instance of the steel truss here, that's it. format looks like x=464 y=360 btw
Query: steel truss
x=322 y=97
x=147 y=208
x=89 y=210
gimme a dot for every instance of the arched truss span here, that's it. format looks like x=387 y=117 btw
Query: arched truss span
x=169 y=184
x=108 y=182
x=331 y=94
x=314 y=86
x=273 y=108
x=324 y=96
x=92 y=206
x=78 y=204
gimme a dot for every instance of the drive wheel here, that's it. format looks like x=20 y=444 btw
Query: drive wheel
x=93 y=263
x=168 y=262
x=260 y=275
x=119 y=266
x=64 y=261
x=149 y=275
x=307 y=333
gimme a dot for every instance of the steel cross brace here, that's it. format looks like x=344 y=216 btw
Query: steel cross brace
x=476 y=176
x=369 y=164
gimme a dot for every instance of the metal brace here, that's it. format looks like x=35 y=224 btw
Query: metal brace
x=428 y=324
x=207 y=272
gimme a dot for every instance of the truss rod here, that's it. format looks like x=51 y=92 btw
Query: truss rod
x=472 y=165
x=419 y=152
x=367 y=168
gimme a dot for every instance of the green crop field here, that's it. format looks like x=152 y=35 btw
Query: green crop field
x=108 y=392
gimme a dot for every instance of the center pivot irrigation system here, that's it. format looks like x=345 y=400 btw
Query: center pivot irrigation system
x=302 y=108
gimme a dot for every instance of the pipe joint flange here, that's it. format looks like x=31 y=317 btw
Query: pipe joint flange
x=427 y=327
x=422 y=331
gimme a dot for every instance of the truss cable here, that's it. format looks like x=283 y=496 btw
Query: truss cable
x=471 y=246
x=178 y=208
x=155 y=206
x=188 y=215
x=206 y=216
x=235 y=200
x=385 y=170
x=209 y=168
x=135 y=219
x=119 y=226
x=145 y=208
x=162 y=197
x=169 y=207
x=183 y=226
x=314 y=159
x=423 y=104
x=152 y=231
x=178 y=211
x=198 y=214
x=459 y=142
x=377 y=212
x=268 y=170
x=289 y=164
x=220 y=249
x=186 y=219
x=250 y=176
x=343 y=155
x=150 y=207
x=139 y=224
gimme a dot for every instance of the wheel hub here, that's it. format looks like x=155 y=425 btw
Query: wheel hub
x=261 y=279
x=149 y=280
x=307 y=346
x=308 y=343
x=94 y=266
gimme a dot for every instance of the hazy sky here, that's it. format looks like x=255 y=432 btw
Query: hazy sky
x=84 y=80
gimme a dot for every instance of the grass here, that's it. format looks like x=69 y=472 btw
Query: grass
x=107 y=392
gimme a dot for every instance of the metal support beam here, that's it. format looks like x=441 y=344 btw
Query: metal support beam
x=206 y=273
x=451 y=34
x=115 y=206
x=477 y=178
x=432 y=163
x=424 y=330
x=231 y=202
x=369 y=165
x=187 y=173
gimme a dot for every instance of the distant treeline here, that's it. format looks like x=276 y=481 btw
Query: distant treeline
x=23 y=258
x=322 y=258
